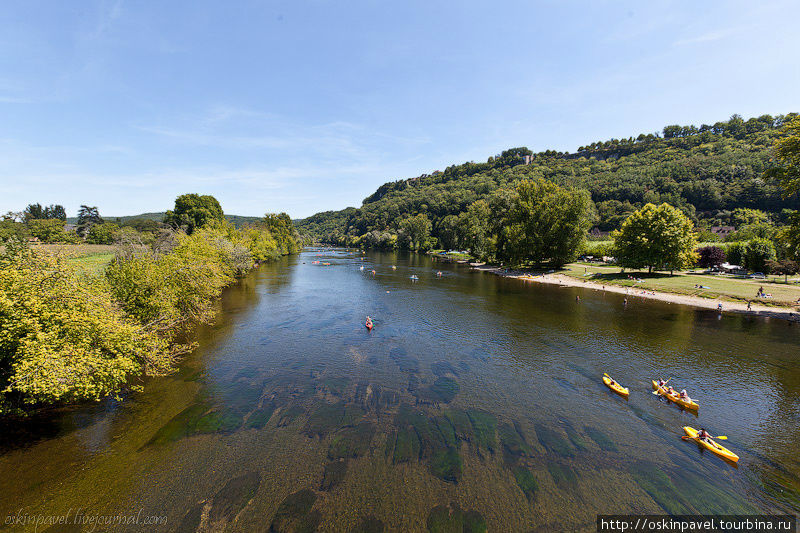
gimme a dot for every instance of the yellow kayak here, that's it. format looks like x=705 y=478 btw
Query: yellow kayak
x=616 y=387
x=675 y=399
x=712 y=446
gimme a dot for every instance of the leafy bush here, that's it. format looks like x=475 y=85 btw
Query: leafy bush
x=62 y=337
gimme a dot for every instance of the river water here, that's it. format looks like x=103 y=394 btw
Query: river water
x=475 y=402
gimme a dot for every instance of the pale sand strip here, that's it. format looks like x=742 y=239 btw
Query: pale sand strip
x=785 y=313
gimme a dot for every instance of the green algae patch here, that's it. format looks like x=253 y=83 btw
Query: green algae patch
x=451 y=519
x=406 y=446
x=443 y=390
x=563 y=475
x=234 y=496
x=217 y=422
x=289 y=415
x=446 y=465
x=442 y=368
x=333 y=474
x=484 y=429
x=526 y=482
x=553 y=441
x=259 y=418
x=323 y=418
x=336 y=385
x=294 y=514
x=351 y=441
x=461 y=424
x=660 y=488
x=447 y=431
x=514 y=445
x=181 y=425
x=195 y=420
x=601 y=439
x=575 y=438
x=369 y=524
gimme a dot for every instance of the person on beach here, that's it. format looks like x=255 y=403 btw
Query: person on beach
x=749 y=305
x=719 y=307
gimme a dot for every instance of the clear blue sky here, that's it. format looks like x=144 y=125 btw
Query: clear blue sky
x=307 y=106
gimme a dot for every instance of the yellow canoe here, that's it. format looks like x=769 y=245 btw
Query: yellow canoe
x=712 y=446
x=616 y=387
x=675 y=399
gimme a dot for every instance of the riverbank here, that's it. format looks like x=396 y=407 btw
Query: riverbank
x=554 y=278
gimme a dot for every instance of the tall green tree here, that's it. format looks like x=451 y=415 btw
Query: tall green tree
x=655 y=237
x=194 y=211
x=415 y=232
x=87 y=217
x=787 y=154
x=546 y=223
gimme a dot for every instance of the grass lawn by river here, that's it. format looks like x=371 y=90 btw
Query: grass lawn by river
x=91 y=259
x=721 y=287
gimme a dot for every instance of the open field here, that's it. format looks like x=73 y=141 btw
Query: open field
x=724 y=288
x=91 y=259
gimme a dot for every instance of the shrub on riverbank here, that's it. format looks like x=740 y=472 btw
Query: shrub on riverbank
x=62 y=336
x=67 y=337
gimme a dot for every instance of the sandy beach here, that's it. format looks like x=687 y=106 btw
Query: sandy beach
x=784 y=313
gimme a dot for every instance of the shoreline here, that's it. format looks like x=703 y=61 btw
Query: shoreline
x=783 y=313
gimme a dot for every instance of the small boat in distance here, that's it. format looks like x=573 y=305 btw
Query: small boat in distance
x=414 y=277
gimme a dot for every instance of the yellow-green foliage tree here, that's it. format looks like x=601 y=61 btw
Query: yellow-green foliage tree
x=787 y=171
x=657 y=237
x=62 y=336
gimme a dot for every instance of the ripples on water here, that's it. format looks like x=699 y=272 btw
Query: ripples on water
x=475 y=402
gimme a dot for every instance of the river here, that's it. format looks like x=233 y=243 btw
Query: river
x=475 y=400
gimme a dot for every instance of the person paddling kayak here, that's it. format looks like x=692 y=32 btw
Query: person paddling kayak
x=369 y=323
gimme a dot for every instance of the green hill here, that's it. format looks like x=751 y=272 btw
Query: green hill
x=707 y=171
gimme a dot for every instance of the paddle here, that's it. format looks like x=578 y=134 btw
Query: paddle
x=656 y=392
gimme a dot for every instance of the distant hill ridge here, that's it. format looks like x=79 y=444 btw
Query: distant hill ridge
x=236 y=220
x=705 y=171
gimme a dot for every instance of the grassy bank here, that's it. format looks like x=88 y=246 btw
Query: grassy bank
x=725 y=288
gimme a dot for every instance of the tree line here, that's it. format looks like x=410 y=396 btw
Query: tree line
x=69 y=337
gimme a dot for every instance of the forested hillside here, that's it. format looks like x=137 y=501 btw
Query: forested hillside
x=706 y=171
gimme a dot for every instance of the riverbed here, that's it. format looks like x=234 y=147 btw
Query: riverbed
x=475 y=400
